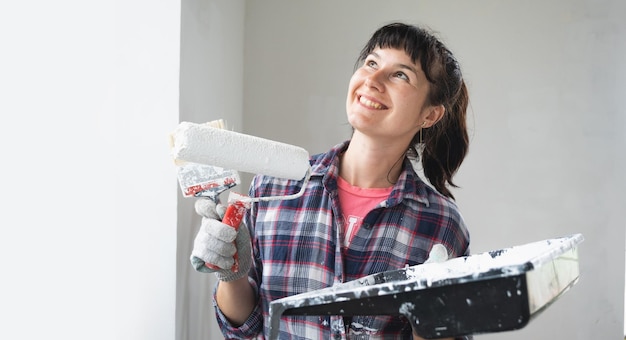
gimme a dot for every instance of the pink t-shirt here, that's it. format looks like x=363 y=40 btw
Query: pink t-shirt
x=355 y=203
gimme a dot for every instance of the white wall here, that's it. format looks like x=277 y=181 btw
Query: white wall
x=547 y=127
x=89 y=93
x=142 y=109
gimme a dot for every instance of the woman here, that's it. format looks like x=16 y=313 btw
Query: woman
x=365 y=209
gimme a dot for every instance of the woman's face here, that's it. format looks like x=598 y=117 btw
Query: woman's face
x=387 y=96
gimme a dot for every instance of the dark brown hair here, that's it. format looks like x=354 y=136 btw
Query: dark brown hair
x=445 y=144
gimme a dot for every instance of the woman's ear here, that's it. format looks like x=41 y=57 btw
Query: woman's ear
x=434 y=114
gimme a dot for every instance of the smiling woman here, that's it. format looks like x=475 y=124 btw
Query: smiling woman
x=365 y=209
x=546 y=123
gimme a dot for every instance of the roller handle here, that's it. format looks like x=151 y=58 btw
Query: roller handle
x=232 y=217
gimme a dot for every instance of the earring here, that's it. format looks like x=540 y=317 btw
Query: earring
x=421 y=134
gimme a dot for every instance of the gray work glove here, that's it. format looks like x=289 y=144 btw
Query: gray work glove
x=216 y=243
x=438 y=253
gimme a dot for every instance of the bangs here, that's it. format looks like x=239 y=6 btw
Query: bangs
x=414 y=41
x=395 y=37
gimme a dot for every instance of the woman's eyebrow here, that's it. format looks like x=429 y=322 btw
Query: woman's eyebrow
x=408 y=67
x=400 y=65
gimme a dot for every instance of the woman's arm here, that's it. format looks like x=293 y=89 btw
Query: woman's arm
x=236 y=300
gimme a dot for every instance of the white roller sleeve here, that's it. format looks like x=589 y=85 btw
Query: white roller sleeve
x=204 y=144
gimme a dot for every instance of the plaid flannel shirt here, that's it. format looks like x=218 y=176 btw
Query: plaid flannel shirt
x=297 y=248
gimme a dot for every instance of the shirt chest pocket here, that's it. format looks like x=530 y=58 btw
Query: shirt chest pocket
x=296 y=256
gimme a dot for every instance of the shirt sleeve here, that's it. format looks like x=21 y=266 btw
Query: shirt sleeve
x=253 y=326
x=248 y=330
x=455 y=233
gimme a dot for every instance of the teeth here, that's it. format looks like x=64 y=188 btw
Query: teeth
x=369 y=103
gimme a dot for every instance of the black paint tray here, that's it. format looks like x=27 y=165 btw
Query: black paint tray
x=495 y=291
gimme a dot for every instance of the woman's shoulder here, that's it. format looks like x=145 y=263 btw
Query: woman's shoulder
x=425 y=193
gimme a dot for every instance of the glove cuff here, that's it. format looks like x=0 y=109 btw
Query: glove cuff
x=227 y=275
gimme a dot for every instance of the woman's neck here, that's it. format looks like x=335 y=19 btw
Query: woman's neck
x=371 y=165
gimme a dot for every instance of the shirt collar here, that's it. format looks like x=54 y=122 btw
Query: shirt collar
x=408 y=187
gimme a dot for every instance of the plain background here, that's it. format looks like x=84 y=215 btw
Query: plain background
x=547 y=124
x=94 y=233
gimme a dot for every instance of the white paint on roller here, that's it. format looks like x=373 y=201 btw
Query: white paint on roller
x=204 y=144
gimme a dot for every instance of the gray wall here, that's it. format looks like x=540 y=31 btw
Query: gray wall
x=547 y=131
x=211 y=87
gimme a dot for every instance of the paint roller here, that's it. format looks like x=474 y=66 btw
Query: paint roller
x=206 y=144
x=205 y=152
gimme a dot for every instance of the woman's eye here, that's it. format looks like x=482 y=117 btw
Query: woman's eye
x=401 y=75
x=370 y=63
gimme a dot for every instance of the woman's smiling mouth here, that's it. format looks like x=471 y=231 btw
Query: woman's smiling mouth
x=371 y=104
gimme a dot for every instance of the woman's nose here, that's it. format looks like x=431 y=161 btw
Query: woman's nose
x=373 y=80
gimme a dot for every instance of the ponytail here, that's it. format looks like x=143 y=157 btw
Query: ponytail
x=446 y=144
